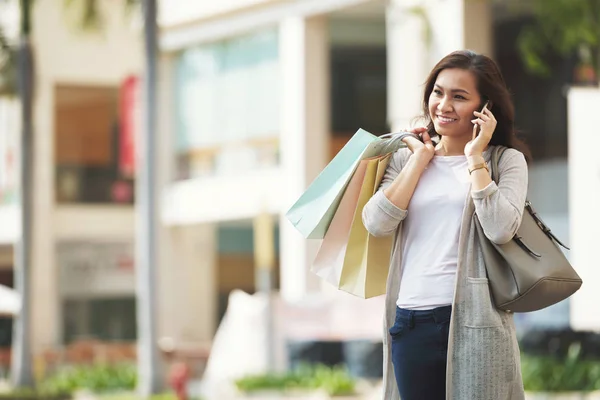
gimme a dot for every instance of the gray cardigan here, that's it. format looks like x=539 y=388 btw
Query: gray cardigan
x=483 y=353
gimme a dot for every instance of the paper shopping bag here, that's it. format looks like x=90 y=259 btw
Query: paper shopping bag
x=367 y=258
x=330 y=259
x=312 y=213
x=350 y=258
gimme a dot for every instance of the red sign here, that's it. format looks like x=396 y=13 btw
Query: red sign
x=129 y=125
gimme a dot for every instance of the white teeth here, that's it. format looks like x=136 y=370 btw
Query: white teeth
x=444 y=119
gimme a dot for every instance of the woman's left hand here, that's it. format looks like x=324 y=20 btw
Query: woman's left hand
x=487 y=123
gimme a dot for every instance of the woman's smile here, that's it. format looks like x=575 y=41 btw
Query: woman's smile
x=442 y=120
x=452 y=101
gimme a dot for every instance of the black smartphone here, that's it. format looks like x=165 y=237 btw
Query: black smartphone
x=488 y=105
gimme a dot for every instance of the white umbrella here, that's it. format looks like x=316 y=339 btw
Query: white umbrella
x=10 y=301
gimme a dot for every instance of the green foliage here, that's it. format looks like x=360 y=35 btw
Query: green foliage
x=550 y=374
x=8 y=67
x=88 y=14
x=567 y=27
x=334 y=381
x=30 y=394
x=96 y=378
x=134 y=396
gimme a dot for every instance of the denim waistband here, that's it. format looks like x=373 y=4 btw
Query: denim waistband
x=437 y=315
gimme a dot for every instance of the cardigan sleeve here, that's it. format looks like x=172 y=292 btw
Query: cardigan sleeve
x=380 y=216
x=499 y=207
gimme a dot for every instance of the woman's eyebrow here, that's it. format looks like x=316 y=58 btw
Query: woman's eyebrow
x=453 y=90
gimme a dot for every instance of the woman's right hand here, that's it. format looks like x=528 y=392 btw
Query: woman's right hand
x=423 y=151
x=402 y=188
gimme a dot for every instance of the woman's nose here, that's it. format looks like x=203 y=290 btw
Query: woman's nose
x=444 y=105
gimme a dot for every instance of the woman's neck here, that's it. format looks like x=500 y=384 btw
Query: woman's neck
x=451 y=146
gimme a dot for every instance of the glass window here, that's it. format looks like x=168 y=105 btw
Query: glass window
x=88 y=145
x=100 y=319
x=227 y=102
x=97 y=289
x=358 y=90
x=6 y=279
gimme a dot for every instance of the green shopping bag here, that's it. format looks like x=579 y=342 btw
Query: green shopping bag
x=312 y=213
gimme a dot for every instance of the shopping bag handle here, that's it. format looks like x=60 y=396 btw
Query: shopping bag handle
x=400 y=135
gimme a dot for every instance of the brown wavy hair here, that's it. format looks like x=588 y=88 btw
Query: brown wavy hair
x=491 y=86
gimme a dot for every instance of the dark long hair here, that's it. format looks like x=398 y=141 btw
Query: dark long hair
x=491 y=86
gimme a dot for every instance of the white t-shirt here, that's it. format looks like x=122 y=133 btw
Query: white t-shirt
x=430 y=234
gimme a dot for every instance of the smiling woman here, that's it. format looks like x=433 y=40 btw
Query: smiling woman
x=452 y=101
x=460 y=84
x=440 y=316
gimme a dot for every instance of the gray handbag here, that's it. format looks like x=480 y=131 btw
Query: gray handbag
x=530 y=272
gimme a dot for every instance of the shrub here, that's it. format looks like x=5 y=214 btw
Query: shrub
x=96 y=378
x=336 y=381
x=22 y=394
x=556 y=374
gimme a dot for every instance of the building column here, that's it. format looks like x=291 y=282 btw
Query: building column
x=46 y=311
x=419 y=34
x=304 y=142
x=584 y=197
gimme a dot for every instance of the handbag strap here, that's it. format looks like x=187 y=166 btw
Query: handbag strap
x=496 y=154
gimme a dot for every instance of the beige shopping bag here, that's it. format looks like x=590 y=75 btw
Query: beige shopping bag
x=350 y=258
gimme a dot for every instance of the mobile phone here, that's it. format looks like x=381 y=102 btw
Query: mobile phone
x=487 y=104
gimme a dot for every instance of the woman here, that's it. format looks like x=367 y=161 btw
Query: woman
x=444 y=337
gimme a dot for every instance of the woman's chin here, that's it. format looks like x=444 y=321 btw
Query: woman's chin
x=444 y=130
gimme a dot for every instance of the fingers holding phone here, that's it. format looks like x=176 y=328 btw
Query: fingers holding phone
x=476 y=126
x=485 y=123
x=483 y=128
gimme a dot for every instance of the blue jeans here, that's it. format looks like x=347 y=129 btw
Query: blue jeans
x=419 y=352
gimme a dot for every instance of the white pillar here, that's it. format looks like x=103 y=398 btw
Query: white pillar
x=46 y=310
x=304 y=142
x=419 y=34
x=584 y=198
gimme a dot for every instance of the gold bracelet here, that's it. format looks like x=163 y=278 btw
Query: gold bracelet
x=479 y=166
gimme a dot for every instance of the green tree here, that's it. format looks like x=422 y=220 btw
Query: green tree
x=8 y=68
x=567 y=27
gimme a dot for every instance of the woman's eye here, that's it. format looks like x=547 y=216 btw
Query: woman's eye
x=437 y=91
x=459 y=97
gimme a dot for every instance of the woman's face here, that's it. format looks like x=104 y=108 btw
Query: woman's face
x=452 y=102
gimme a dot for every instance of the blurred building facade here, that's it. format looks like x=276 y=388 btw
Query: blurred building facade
x=85 y=120
x=263 y=93
x=82 y=252
x=256 y=96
